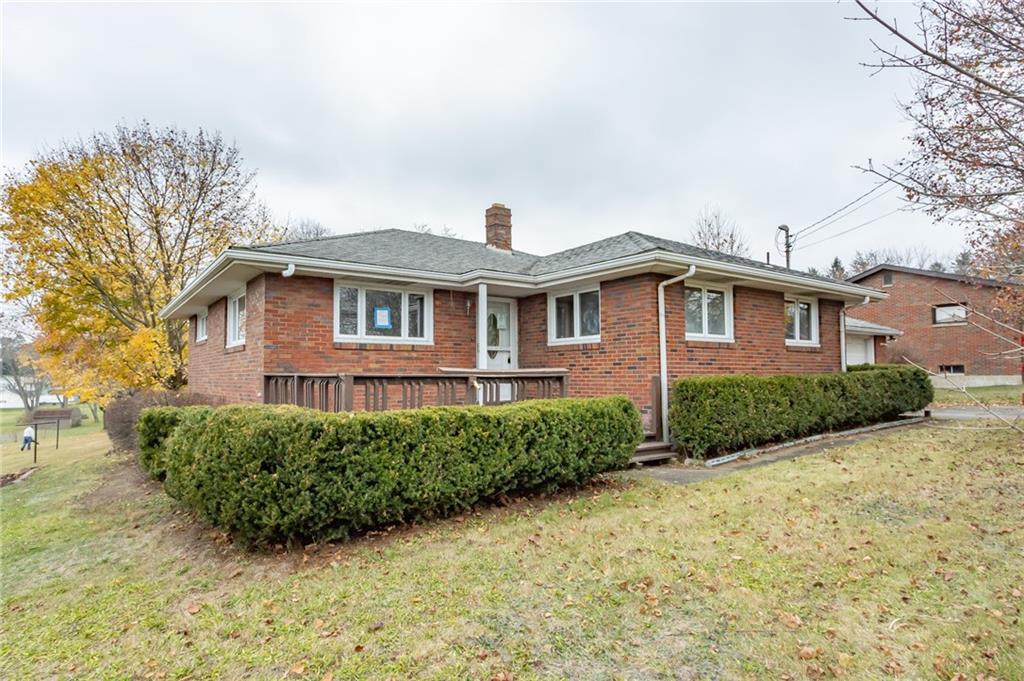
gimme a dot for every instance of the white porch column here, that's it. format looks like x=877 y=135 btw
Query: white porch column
x=481 y=327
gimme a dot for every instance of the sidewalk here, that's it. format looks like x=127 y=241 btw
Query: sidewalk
x=967 y=412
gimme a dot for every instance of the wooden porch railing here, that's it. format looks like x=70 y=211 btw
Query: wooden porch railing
x=379 y=392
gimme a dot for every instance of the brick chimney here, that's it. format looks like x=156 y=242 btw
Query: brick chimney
x=498 y=221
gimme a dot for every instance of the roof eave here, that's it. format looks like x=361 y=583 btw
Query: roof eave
x=320 y=266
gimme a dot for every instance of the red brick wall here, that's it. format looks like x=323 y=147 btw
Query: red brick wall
x=760 y=342
x=231 y=374
x=909 y=309
x=626 y=359
x=299 y=333
x=290 y=329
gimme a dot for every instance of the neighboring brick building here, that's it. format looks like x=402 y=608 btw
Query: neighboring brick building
x=408 y=305
x=932 y=309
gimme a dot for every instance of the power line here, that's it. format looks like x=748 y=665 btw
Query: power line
x=847 y=231
x=842 y=208
x=807 y=231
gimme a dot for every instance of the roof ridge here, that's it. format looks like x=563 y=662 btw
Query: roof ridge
x=329 y=237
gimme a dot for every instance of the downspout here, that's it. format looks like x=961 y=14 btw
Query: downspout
x=663 y=350
x=289 y=271
x=842 y=339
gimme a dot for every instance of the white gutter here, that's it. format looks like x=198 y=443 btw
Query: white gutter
x=662 y=346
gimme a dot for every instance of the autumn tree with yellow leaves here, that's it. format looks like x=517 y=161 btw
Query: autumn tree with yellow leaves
x=100 y=233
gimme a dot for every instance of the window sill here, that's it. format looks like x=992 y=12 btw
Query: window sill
x=802 y=344
x=943 y=324
x=202 y=341
x=583 y=340
x=802 y=348
x=700 y=338
x=379 y=343
x=234 y=347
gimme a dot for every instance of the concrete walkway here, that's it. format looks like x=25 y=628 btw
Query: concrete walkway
x=681 y=474
x=968 y=412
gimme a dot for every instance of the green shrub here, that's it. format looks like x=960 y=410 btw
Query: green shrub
x=875 y=367
x=719 y=414
x=271 y=473
x=154 y=426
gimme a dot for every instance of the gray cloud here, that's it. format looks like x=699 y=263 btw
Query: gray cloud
x=586 y=120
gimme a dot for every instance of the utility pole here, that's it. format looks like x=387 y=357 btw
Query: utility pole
x=787 y=243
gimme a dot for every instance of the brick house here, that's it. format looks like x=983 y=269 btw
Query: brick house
x=396 y=318
x=939 y=333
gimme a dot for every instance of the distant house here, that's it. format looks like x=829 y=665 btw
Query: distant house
x=864 y=340
x=393 y=318
x=939 y=333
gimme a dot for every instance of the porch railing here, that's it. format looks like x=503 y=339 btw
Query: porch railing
x=379 y=392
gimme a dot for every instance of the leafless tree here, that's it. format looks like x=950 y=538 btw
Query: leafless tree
x=304 y=230
x=19 y=372
x=716 y=232
x=443 y=230
x=966 y=158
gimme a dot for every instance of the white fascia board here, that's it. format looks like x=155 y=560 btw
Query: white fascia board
x=334 y=268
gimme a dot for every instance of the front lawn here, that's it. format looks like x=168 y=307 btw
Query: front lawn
x=991 y=394
x=896 y=556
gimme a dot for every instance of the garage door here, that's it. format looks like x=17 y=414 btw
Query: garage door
x=857 y=350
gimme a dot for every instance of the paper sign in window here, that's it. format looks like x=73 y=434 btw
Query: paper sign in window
x=382 y=317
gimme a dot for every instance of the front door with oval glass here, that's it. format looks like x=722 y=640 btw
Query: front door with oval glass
x=501 y=339
x=500 y=334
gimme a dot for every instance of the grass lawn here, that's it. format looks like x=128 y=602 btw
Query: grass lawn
x=73 y=445
x=901 y=555
x=992 y=394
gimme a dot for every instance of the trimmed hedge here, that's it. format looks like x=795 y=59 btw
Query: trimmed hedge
x=154 y=426
x=720 y=414
x=271 y=473
x=875 y=367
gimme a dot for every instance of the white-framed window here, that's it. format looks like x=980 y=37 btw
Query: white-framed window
x=367 y=313
x=953 y=369
x=802 y=321
x=236 y=318
x=574 y=317
x=201 y=321
x=708 y=312
x=952 y=313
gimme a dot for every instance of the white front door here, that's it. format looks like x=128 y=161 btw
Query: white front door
x=501 y=341
x=501 y=334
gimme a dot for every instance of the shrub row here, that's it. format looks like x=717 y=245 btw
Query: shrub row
x=272 y=473
x=714 y=415
x=875 y=367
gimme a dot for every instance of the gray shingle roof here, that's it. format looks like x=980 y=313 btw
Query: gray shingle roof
x=429 y=252
x=407 y=250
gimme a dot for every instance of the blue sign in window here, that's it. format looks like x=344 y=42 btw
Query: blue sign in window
x=382 y=318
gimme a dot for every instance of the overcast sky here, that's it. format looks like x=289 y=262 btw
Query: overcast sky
x=587 y=120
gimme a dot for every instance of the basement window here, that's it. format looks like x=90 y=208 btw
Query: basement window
x=952 y=369
x=953 y=313
x=373 y=314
